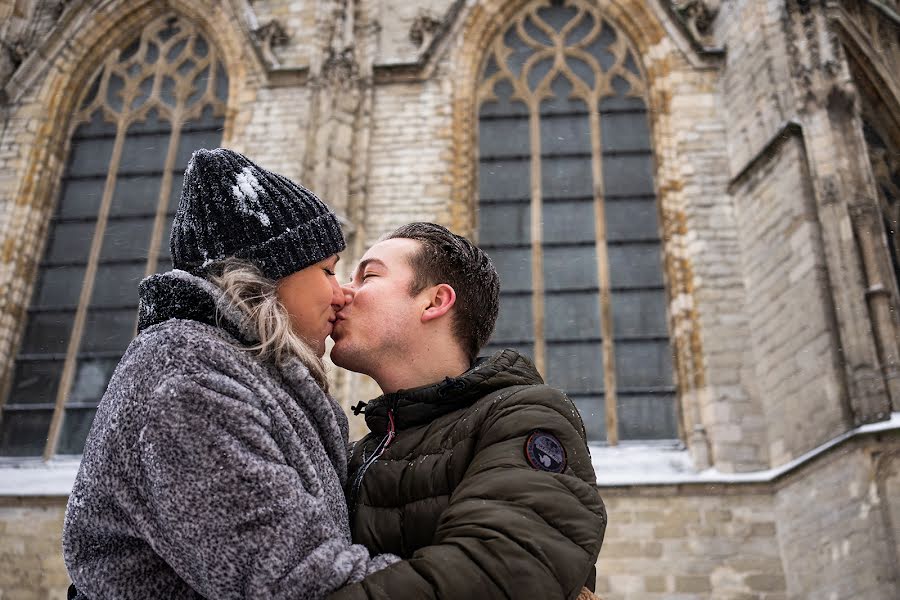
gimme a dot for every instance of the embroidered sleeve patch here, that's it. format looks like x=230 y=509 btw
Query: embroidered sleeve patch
x=545 y=452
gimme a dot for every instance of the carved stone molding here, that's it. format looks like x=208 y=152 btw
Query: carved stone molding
x=267 y=38
x=698 y=17
x=423 y=29
x=815 y=56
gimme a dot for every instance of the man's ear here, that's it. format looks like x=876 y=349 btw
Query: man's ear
x=441 y=297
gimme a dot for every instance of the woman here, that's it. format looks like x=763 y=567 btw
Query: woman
x=216 y=461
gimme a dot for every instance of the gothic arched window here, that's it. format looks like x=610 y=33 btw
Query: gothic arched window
x=568 y=213
x=149 y=105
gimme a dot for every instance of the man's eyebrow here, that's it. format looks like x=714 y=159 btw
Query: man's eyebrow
x=363 y=264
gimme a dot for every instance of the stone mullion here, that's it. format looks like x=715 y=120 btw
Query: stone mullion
x=165 y=191
x=604 y=281
x=87 y=288
x=537 y=235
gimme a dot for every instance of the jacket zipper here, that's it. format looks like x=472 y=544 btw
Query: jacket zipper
x=379 y=450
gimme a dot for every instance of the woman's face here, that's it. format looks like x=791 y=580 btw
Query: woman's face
x=312 y=296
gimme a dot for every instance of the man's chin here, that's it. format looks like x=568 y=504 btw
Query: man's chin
x=343 y=356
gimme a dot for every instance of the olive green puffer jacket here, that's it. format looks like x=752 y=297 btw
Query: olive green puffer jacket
x=467 y=482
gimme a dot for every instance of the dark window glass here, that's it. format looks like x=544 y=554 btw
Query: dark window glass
x=573 y=206
x=125 y=234
x=575 y=367
x=59 y=287
x=77 y=425
x=47 y=332
x=34 y=381
x=24 y=432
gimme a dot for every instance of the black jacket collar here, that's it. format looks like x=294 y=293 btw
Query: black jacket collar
x=179 y=295
x=418 y=406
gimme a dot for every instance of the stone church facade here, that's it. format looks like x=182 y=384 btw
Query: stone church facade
x=693 y=205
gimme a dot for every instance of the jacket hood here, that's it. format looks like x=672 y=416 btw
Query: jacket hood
x=420 y=405
x=177 y=294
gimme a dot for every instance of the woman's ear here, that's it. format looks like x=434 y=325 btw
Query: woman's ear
x=441 y=297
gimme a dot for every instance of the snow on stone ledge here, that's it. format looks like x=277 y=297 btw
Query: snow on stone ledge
x=624 y=465
x=38 y=478
x=661 y=464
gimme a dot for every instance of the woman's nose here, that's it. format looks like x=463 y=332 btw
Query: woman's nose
x=346 y=293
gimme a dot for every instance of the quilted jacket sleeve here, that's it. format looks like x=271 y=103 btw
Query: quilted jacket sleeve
x=226 y=510
x=511 y=530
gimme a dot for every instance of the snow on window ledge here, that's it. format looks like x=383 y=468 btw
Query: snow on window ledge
x=628 y=464
x=34 y=477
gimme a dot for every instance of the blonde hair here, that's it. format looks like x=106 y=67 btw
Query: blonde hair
x=254 y=295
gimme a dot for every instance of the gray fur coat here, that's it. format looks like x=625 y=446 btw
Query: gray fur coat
x=208 y=473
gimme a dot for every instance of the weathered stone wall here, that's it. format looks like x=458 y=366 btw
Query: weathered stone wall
x=31 y=549
x=792 y=330
x=833 y=527
x=690 y=542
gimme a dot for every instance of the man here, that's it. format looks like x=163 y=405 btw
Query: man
x=474 y=472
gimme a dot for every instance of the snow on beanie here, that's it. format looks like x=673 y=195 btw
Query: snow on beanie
x=233 y=207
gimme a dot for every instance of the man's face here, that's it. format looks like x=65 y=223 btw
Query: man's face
x=375 y=325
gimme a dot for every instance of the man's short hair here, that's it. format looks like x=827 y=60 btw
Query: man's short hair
x=448 y=258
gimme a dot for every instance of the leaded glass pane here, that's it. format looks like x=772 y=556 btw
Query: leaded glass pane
x=566 y=134
x=144 y=153
x=635 y=265
x=70 y=241
x=639 y=313
x=47 y=333
x=571 y=221
x=24 y=432
x=566 y=177
x=91 y=377
x=80 y=198
x=108 y=330
x=116 y=284
x=506 y=223
x=35 y=381
x=90 y=156
x=77 y=426
x=625 y=132
x=647 y=417
x=126 y=239
x=503 y=138
x=135 y=196
x=514 y=267
x=632 y=219
x=628 y=175
x=572 y=316
x=643 y=364
x=570 y=267
x=514 y=323
x=593 y=413
x=59 y=287
x=575 y=367
x=504 y=179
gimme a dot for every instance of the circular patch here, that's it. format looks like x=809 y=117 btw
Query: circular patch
x=545 y=452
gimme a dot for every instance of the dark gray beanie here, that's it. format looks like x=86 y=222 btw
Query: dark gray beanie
x=233 y=207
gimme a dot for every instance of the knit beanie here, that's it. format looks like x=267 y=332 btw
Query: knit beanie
x=231 y=207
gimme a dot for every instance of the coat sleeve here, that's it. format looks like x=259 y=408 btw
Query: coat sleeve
x=226 y=510
x=510 y=530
